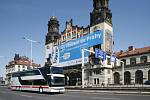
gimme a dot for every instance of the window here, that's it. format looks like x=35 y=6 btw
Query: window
x=132 y=61
x=108 y=71
x=58 y=81
x=143 y=59
x=64 y=37
x=30 y=73
x=69 y=36
x=109 y=80
x=74 y=35
x=97 y=80
x=15 y=74
x=18 y=67
x=26 y=82
x=56 y=70
x=40 y=82
x=94 y=80
x=108 y=61
x=97 y=71
x=23 y=67
x=124 y=60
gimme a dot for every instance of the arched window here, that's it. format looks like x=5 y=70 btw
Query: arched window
x=132 y=61
x=127 y=77
x=143 y=59
x=116 y=78
x=139 y=77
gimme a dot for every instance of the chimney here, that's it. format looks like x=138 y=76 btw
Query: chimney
x=130 y=48
x=16 y=57
x=121 y=51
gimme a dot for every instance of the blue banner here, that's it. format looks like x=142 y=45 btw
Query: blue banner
x=72 y=50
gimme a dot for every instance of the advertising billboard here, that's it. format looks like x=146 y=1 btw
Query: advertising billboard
x=70 y=52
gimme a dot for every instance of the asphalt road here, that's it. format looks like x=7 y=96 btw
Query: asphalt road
x=7 y=94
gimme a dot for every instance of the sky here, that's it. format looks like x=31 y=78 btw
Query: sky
x=29 y=18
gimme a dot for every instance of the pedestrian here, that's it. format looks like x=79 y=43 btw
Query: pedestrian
x=102 y=84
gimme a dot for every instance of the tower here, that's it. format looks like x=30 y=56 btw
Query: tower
x=101 y=19
x=53 y=30
x=52 y=39
x=101 y=12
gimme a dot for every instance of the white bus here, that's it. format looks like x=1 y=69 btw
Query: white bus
x=44 y=79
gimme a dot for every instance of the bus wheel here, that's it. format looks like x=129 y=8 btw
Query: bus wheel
x=40 y=90
x=20 y=89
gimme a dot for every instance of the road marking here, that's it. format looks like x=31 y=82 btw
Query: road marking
x=105 y=98
x=26 y=96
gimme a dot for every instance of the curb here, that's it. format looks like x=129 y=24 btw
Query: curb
x=113 y=92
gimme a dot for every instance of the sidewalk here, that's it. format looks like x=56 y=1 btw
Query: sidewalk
x=125 y=90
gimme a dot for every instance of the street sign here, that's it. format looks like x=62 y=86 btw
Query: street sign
x=100 y=54
x=113 y=58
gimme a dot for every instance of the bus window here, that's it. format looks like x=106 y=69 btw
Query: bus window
x=57 y=70
x=40 y=82
x=26 y=82
x=58 y=81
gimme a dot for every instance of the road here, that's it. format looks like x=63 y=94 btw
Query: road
x=7 y=94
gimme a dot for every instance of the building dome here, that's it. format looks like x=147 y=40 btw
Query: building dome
x=53 y=18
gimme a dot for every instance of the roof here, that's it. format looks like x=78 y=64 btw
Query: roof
x=132 y=52
x=22 y=60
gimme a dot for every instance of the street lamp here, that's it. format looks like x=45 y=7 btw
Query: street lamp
x=31 y=41
x=2 y=68
x=83 y=64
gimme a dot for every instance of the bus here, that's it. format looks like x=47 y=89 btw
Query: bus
x=44 y=79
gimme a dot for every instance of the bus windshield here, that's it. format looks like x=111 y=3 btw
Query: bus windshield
x=58 y=81
x=57 y=70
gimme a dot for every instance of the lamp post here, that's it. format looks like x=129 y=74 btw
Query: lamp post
x=82 y=68
x=83 y=64
x=31 y=41
x=2 y=70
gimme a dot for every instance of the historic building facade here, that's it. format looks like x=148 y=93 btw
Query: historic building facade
x=136 y=66
x=19 y=63
x=96 y=70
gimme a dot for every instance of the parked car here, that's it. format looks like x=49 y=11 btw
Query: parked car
x=147 y=82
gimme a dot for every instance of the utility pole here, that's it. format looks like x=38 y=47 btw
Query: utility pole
x=82 y=68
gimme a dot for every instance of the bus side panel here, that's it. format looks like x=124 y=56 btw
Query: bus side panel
x=54 y=89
